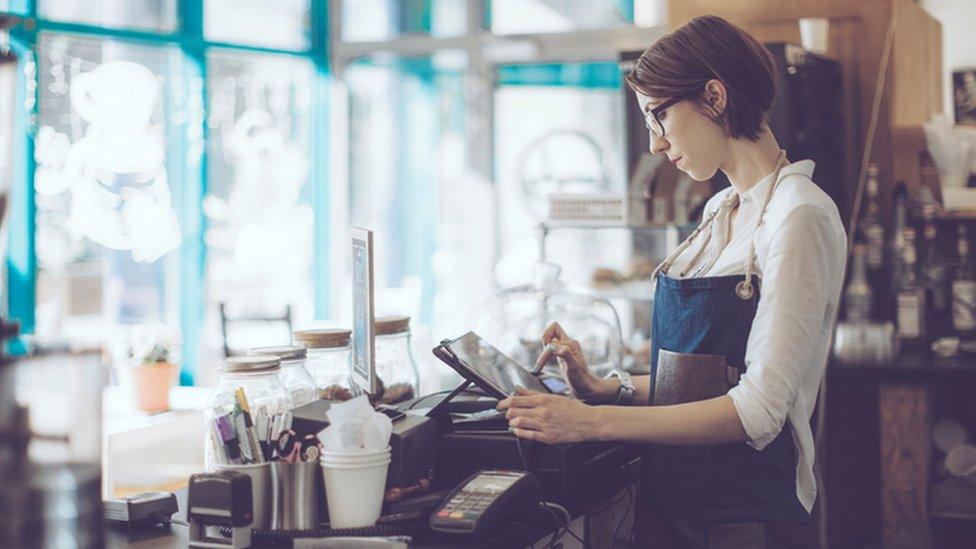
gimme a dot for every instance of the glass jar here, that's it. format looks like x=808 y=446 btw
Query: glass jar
x=514 y=319
x=395 y=366
x=329 y=360
x=293 y=375
x=268 y=401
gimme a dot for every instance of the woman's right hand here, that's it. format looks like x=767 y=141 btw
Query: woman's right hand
x=585 y=385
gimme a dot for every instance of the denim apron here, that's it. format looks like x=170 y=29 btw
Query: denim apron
x=693 y=487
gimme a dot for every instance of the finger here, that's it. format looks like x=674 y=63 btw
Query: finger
x=526 y=433
x=566 y=353
x=504 y=404
x=526 y=401
x=513 y=413
x=524 y=422
x=547 y=352
x=554 y=332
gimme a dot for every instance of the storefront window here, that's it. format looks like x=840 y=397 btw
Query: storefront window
x=105 y=191
x=157 y=15
x=558 y=128
x=375 y=20
x=282 y=24
x=258 y=207
x=532 y=16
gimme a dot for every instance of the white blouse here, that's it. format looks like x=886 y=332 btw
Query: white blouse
x=801 y=249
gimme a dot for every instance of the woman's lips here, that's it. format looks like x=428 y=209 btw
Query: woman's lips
x=676 y=160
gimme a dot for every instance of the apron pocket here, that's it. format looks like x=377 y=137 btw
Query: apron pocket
x=690 y=377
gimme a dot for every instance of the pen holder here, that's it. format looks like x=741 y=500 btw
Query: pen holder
x=260 y=474
x=295 y=497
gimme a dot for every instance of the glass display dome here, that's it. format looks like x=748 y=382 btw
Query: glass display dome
x=514 y=319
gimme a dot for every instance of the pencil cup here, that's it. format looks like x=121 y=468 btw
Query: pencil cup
x=354 y=485
x=260 y=474
x=294 y=495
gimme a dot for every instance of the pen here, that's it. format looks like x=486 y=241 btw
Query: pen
x=251 y=431
x=228 y=437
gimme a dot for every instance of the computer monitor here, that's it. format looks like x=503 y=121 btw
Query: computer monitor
x=363 y=311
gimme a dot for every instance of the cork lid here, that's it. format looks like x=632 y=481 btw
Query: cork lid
x=323 y=338
x=250 y=363
x=388 y=325
x=286 y=352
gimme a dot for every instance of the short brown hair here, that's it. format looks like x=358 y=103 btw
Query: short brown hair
x=710 y=47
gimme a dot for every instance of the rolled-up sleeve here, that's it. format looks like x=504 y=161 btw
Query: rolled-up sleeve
x=801 y=276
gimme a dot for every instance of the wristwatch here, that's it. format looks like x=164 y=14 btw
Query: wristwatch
x=625 y=394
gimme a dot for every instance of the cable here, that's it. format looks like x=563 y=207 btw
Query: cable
x=630 y=499
x=518 y=444
x=569 y=520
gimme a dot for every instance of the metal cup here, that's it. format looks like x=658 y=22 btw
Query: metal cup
x=294 y=495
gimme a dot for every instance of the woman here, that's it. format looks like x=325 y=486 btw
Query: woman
x=742 y=314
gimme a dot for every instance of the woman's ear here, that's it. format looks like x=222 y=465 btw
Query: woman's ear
x=715 y=96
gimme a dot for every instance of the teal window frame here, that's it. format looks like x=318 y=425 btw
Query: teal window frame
x=21 y=265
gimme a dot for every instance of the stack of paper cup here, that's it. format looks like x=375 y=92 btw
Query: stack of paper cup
x=354 y=487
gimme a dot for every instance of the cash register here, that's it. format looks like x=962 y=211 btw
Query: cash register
x=472 y=436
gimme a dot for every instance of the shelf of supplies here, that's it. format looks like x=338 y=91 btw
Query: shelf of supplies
x=956 y=215
x=953 y=498
x=916 y=364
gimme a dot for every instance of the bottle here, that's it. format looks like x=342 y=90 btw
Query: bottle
x=872 y=224
x=964 y=289
x=910 y=297
x=933 y=275
x=896 y=246
x=858 y=296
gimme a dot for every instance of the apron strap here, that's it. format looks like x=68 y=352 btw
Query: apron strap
x=744 y=288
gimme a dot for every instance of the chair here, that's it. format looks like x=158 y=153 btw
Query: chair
x=225 y=321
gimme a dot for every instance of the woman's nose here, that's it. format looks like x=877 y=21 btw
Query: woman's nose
x=658 y=144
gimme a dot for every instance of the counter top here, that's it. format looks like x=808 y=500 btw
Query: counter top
x=518 y=533
x=915 y=364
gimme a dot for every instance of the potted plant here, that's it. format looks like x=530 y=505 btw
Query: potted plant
x=154 y=375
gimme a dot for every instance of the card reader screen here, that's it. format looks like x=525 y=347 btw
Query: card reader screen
x=488 y=362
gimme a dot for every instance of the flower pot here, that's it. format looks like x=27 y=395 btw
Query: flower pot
x=152 y=382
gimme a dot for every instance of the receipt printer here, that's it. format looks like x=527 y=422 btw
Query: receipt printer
x=412 y=444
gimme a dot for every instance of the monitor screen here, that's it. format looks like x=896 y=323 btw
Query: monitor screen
x=492 y=366
x=363 y=364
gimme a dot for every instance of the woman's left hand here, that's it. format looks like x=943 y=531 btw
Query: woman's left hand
x=551 y=419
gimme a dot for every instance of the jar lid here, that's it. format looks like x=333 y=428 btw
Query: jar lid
x=388 y=325
x=286 y=352
x=323 y=339
x=250 y=363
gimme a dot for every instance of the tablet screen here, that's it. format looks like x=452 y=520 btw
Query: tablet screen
x=494 y=367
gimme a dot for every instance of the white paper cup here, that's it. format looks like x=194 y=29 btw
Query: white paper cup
x=260 y=474
x=354 y=491
x=814 y=32
x=357 y=458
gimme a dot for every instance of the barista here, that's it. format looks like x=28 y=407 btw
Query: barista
x=751 y=293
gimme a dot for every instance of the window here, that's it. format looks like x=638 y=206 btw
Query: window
x=258 y=207
x=129 y=214
x=248 y=22
x=377 y=20
x=558 y=128
x=105 y=191
x=154 y=15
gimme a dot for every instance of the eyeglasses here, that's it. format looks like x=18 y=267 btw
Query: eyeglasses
x=652 y=117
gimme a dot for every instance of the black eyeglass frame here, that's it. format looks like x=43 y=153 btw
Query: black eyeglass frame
x=653 y=113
